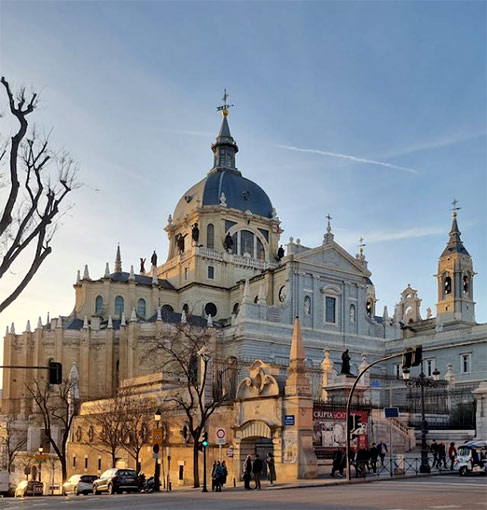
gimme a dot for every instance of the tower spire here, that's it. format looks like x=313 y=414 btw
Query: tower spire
x=118 y=261
x=455 y=244
x=225 y=147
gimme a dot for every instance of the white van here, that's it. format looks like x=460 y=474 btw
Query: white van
x=472 y=458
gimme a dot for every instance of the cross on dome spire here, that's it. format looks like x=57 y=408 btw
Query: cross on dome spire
x=328 y=237
x=224 y=107
x=454 y=207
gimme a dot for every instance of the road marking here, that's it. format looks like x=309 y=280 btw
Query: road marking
x=446 y=506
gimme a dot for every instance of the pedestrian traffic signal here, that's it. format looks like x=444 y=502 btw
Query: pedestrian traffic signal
x=205 y=439
x=55 y=373
x=417 y=355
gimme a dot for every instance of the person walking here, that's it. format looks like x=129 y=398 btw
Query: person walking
x=452 y=453
x=382 y=447
x=373 y=454
x=337 y=464
x=434 y=450
x=247 y=470
x=442 y=455
x=257 y=467
x=361 y=463
x=271 y=468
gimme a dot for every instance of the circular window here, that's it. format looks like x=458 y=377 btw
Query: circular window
x=210 y=309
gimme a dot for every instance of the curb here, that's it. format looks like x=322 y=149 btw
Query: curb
x=333 y=483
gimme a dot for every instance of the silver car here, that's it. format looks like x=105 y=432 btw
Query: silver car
x=79 y=484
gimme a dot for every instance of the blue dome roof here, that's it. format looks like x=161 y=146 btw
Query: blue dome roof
x=240 y=193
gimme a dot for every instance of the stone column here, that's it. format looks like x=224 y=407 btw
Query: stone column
x=299 y=460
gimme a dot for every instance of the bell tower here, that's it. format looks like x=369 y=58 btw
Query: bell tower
x=455 y=279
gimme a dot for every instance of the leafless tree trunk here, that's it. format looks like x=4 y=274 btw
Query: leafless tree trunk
x=30 y=202
x=138 y=431
x=53 y=404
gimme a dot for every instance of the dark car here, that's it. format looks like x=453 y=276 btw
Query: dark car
x=29 y=488
x=116 y=481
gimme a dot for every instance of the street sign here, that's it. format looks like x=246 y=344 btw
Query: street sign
x=155 y=449
x=40 y=458
x=289 y=420
x=155 y=455
x=157 y=436
x=220 y=435
x=230 y=452
x=391 y=412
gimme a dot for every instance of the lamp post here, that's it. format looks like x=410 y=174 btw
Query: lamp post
x=40 y=463
x=422 y=381
x=156 y=447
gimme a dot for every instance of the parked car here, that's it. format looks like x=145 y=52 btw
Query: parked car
x=472 y=458
x=29 y=488
x=79 y=484
x=116 y=481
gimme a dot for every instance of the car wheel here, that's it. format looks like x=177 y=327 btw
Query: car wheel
x=463 y=471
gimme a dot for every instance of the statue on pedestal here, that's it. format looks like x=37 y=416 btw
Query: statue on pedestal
x=345 y=363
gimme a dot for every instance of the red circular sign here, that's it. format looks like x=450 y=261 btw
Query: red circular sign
x=220 y=433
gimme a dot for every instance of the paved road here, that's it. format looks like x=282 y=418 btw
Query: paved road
x=432 y=493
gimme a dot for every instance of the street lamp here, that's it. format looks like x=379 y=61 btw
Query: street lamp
x=40 y=464
x=157 y=419
x=421 y=382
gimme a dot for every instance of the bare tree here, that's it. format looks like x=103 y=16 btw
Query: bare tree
x=108 y=419
x=54 y=404
x=14 y=441
x=138 y=431
x=31 y=197
x=188 y=371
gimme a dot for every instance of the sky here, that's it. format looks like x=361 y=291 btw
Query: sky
x=372 y=112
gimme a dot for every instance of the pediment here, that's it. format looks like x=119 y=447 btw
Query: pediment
x=333 y=256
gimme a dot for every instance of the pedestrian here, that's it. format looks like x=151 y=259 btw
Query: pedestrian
x=257 y=467
x=361 y=462
x=434 y=450
x=271 y=468
x=225 y=473
x=217 y=476
x=442 y=455
x=452 y=453
x=213 y=478
x=382 y=447
x=373 y=454
x=247 y=472
x=337 y=464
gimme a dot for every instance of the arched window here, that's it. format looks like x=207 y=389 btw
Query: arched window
x=466 y=284
x=353 y=313
x=247 y=244
x=210 y=236
x=98 y=304
x=119 y=305
x=235 y=309
x=167 y=309
x=141 y=308
x=185 y=308
x=447 y=285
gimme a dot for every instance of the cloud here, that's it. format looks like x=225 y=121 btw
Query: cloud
x=351 y=158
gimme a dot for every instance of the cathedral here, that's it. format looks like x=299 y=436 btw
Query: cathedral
x=226 y=269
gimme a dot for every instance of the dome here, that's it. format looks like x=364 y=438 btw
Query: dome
x=224 y=178
x=240 y=193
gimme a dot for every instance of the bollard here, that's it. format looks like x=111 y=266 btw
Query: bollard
x=234 y=482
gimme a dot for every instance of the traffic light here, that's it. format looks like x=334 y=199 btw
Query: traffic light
x=55 y=372
x=407 y=359
x=205 y=439
x=417 y=355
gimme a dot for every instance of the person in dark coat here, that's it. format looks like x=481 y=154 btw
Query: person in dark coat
x=382 y=451
x=213 y=478
x=442 y=455
x=361 y=462
x=337 y=464
x=218 y=476
x=434 y=450
x=373 y=454
x=225 y=473
x=247 y=475
x=257 y=467
x=271 y=468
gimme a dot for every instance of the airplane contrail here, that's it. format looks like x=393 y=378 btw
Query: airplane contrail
x=350 y=157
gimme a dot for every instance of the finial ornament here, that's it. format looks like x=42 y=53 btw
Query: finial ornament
x=328 y=217
x=224 y=108
x=454 y=207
